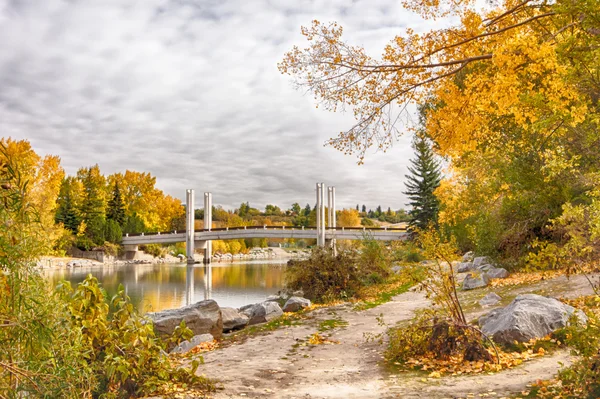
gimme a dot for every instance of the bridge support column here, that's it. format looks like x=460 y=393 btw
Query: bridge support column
x=130 y=248
x=332 y=216
x=321 y=222
x=207 y=226
x=189 y=226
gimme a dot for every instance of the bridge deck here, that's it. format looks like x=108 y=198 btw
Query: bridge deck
x=233 y=233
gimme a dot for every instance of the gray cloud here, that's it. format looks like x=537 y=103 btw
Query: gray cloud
x=189 y=91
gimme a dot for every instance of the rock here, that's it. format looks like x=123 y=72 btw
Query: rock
x=528 y=316
x=497 y=272
x=485 y=267
x=273 y=298
x=490 y=299
x=299 y=293
x=396 y=269
x=468 y=257
x=233 y=320
x=465 y=267
x=481 y=260
x=201 y=317
x=261 y=312
x=295 y=304
x=473 y=281
x=196 y=340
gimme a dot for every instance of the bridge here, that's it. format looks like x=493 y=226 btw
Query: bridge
x=325 y=235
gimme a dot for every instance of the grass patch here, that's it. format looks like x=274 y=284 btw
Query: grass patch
x=330 y=324
x=384 y=294
x=288 y=319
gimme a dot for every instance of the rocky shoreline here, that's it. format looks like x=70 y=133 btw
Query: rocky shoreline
x=208 y=321
x=49 y=262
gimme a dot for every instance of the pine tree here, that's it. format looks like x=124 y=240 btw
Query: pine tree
x=93 y=206
x=424 y=178
x=364 y=208
x=66 y=211
x=116 y=207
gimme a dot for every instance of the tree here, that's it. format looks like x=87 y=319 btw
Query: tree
x=348 y=218
x=296 y=208
x=113 y=232
x=66 y=212
x=307 y=210
x=93 y=205
x=244 y=208
x=357 y=208
x=492 y=54
x=378 y=211
x=364 y=209
x=424 y=179
x=116 y=207
x=512 y=92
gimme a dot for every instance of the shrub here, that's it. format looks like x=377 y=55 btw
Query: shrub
x=120 y=346
x=112 y=232
x=323 y=276
x=156 y=250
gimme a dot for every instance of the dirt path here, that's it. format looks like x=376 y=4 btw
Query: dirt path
x=282 y=364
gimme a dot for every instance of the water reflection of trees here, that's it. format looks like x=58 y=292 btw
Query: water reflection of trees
x=155 y=287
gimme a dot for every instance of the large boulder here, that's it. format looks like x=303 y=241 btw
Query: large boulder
x=480 y=261
x=464 y=267
x=261 y=312
x=473 y=281
x=203 y=317
x=528 y=316
x=490 y=299
x=497 y=272
x=296 y=303
x=196 y=340
x=233 y=320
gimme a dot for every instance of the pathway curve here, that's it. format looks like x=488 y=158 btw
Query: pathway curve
x=281 y=364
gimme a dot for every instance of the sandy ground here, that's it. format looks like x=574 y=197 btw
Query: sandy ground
x=281 y=364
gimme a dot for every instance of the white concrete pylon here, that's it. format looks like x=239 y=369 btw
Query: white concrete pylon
x=189 y=226
x=322 y=211
x=318 y=212
x=208 y=226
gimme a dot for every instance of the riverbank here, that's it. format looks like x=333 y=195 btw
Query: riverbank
x=140 y=257
x=285 y=363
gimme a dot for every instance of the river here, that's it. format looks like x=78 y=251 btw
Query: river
x=156 y=287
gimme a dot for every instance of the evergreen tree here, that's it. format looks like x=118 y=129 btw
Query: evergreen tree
x=364 y=208
x=66 y=211
x=116 y=207
x=378 y=211
x=307 y=210
x=357 y=208
x=424 y=178
x=93 y=206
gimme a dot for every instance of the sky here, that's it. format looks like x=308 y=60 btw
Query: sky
x=189 y=91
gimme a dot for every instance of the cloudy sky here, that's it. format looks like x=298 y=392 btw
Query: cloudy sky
x=189 y=91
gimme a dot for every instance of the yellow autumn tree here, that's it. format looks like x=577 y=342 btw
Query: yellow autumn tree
x=151 y=205
x=42 y=177
x=348 y=218
x=509 y=95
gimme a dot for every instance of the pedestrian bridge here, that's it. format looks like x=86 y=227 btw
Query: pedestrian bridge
x=249 y=232
x=325 y=233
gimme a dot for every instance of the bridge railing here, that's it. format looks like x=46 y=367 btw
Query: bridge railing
x=269 y=228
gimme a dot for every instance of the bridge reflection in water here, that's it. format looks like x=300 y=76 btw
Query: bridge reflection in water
x=167 y=286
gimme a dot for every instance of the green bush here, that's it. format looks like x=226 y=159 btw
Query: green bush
x=326 y=277
x=323 y=276
x=112 y=232
x=156 y=250
x=120 y=346
x=84 y=243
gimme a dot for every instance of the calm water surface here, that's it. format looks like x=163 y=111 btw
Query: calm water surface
x=167 y=286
